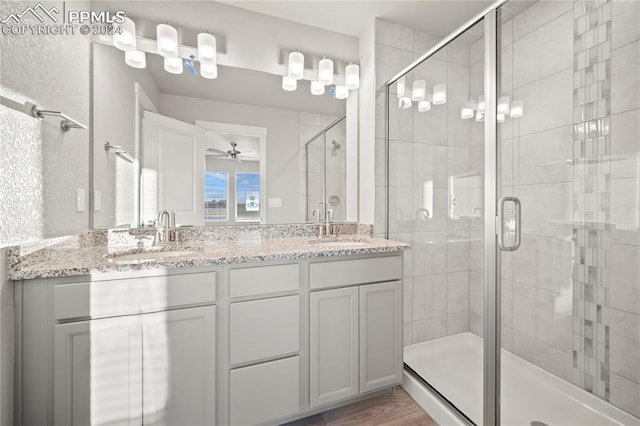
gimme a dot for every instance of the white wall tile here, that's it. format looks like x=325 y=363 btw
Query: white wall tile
x=542 y=156
x=625 y=28
x=422 y=42
x=457 y=292
x=625 y=205
x=457 y=322
x=429 y=329
x=429 y=253
x=625 y=144
x=546 y=209
x=400 y=163
x=394 y=35
x=624 y=279
x=544 y=262
x=538 y=15
x=389 y=60
x=625 y=394
x=625 y=78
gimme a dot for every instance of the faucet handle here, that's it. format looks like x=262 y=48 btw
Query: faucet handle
x=172 y=222
x=330 y=214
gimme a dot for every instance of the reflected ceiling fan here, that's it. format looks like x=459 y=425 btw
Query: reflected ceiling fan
x=232 y=153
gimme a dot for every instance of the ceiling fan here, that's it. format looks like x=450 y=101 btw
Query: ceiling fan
x=232 y=153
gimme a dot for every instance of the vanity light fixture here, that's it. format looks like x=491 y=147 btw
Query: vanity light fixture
x=404 y=102
x=424 y=106
x=418 y=90
x=503 y=105
x=289 y=84
x=517 y=109
x=173 y=65
x=296 y=65
x=207 y=49
x=126 y=39
x=325 y=71
x=135 y=58
x=466 y=113
x=317 y=88
x=439 y=94
x=167 y=41
x=341 y=92
x=352 y=76
x=209 y=71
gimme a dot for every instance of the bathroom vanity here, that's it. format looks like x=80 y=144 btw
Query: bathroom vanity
x=236 y=332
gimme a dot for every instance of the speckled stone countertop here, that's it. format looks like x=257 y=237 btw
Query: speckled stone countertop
x=87 y=253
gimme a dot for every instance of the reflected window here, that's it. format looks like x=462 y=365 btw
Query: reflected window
x=247 y=197
x=216 y=199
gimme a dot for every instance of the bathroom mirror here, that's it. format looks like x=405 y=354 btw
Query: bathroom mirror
x=230 y=150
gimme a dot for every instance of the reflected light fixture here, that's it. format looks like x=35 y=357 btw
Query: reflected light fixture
x=296 y=65
x=439 y=94
x=317 y=88
x=401 y=87
x=500 y=117
x=503 y=105
x=424 y=106
x=404 y=102
x=517 y=109
x=207 y=49
x=167 y=41
x=209 y=71
x=173 y=65
x=135 y=58
x=126 y=39
x=341 y=92
x=418 y=90
x=466 y=113
x=325 y=71
x=289 y=84
x=479 y=116
x=352 y=76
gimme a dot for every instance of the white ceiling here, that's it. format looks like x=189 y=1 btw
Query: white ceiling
x=438 y=17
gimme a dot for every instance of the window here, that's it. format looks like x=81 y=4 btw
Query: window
x=216 y=200
x=247 y=197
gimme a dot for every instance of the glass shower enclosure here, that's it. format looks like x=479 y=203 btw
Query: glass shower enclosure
x=513 y=166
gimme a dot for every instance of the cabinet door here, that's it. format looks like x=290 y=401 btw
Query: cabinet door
x=333 y=345
x=380 y=335
x=98 y=372
x=179 y=367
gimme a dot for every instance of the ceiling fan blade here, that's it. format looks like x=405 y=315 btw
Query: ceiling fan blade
x=217 y=151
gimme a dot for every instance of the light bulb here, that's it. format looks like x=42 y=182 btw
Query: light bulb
x=209 y=71
x=135 y=58
x=352 y=76
x=207 y=49
x=466 y=113
x=317 y=88
x=439 y=94
x=517 y=109
x=289 y=84
x=503 y=105
x=424 y=106
x=404 y=102
x=500 y=118
x=401 y=87
x=167 y=41
x=325 y=71
x=126 y=39
x=342 y=92
x=296 y=65
x=173 y=65
x=418 y=90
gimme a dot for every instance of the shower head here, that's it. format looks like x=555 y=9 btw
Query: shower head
x=335 y=144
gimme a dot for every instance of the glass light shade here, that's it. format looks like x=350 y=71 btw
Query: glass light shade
x=289 y=84
x=317 y=88
x=424 y=106
x=466 y=113
x=479 y=116
x=481 y=103
x=404 y=102
x=126 y=39
x=401 y=87
x=209 y=71
x=503 y=105
x=341 y=92
x=167 y=43
x=173 y=65
x=207 y=49
x=352 y=76
x=500 y=118
x=135 y=58
x=517 y=109
x=418 y=90
x=296 y=65
x=439 y=94
x=325 y=71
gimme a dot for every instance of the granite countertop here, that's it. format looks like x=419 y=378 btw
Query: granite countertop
x=103 y=258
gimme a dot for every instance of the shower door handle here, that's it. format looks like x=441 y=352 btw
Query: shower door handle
x=517 y=226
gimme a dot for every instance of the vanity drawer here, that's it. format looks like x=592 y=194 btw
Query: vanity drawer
x=357 y=271
x=264 y=280
x=264 y=392
x=133 y=295
x=263 y=329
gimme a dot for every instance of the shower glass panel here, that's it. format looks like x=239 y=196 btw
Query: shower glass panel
x=335 y=160
x=568 y=139
x=436 y=198
x=314 y=176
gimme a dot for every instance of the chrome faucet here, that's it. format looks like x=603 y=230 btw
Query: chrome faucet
x=425 y=214
x=167 y=220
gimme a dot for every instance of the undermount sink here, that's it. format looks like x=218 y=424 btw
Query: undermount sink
x=338 y=243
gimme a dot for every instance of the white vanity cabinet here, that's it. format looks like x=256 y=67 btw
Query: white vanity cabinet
x=355 y=329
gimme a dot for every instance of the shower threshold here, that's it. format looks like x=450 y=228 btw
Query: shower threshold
x=530 y=395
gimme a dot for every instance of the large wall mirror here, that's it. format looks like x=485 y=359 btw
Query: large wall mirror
x=232 y=150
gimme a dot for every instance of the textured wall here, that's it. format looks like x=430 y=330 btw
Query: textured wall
x=40 y=166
